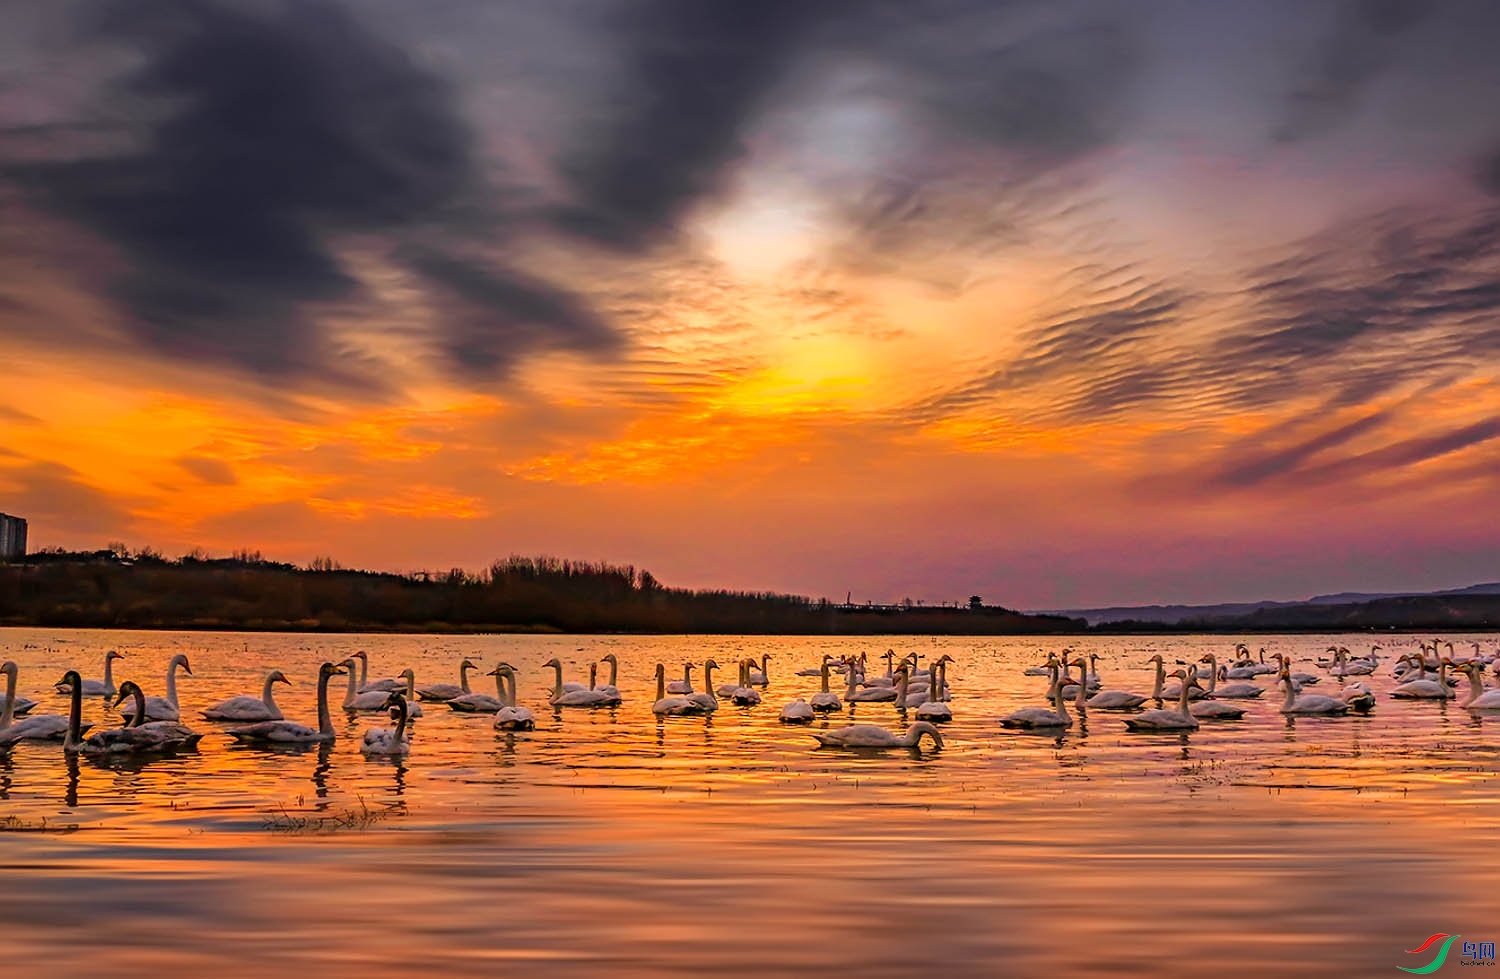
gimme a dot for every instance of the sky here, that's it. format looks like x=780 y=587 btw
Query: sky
x=1059 y=303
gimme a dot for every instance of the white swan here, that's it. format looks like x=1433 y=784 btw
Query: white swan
x=164 y=708
x=562 y=697
x=248 y=708
x=825 y=700
x=1115 y=700
x=706 y=700
x=1309 y=703
x=934 y=709
x=672 y=706
x=389 y=741
x=99 y=688
x=38 y=727
x=1425 y=689
x=365 y=684
x=614 y=677
x=760 y=677
x=874 y=736
x=444 y=692
x=369 y=701
x=482 y=703
x=1238 y=690
x=798 y=711
x=745 y=695
x=1041 y=717
x=510 y=717
x=685 y=685
x=1358 y=696
x=1479 y=698
x=134 y=738
x=869 y=695
x=288 y=732
x=1164 y=718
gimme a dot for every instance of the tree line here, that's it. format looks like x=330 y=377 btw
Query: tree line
x=117 y=588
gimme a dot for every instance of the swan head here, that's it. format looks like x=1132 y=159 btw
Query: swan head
x=328 y=669
x=610 y=658
x=276 y=676
x=661 y=670
x=9 y=669
x=361 y=655
x=554 y=663
x=712 y=664
x=349 y=663
x=181 y=660
x=1156 y=658
x=71 y=679
x=113 y=654
x=409 y=673
x=923 y=727
x=468 y=664
x=128 y=689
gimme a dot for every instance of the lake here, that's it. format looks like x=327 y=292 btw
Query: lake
x=610 y=841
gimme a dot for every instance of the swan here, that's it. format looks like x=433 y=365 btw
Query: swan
x=1041 y=717
x=248 y=708
x=100 y=688
x=758 y=678
x=685 y=685
x=825 y=700
x=38 y=727
x=1479 y=698
x=578 y=698
x=368 y=701
x=869 y=695
x=706 y=700
x=1164 y=718
x=1309 y=703
x=1068 y=684
x=1425 y=689
x=164 y=708
x=444 y=692
x=614 y=676
x=798 y=711
x=365 y=684
x=389 y=741
x=1116 y=700
x=510 y=717
x=1358 y=696
x=1162 y=693
x=874 y=736
x=1238 y=690
x=1215 y=710
x=134 y=738
x=482 y=703
x=288 y=732
x=935 y=710
x=745 y=695
x=904 y=696
x=672 y=706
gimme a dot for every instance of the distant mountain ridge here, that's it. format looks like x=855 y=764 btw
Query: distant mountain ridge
x=1175 y=614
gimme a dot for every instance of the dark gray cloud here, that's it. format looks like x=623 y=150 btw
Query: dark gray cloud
x=1362 y=44
x=692 y=76
x=1253 y=464
x=491 y=315
x=274 y=133
x=1405 y=453
x=215 y=472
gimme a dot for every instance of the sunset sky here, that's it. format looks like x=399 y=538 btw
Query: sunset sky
x=1060 y=303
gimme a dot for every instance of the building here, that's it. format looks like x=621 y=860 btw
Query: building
x=12 y=538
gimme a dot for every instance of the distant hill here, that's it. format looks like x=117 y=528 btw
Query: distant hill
x=1174 y=615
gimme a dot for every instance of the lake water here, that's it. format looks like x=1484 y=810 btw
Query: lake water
x=613 y=842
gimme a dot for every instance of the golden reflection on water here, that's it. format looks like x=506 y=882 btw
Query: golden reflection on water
x=613 y=840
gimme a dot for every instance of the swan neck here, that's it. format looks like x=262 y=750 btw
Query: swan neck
x=510 y=691
x=354 y=682
x=1182 y=697
x=364 y=671
x=463 y=676
x=172 y=683
x=824 y=671
x=268 y=693
x=325 y=722
x=500 y=688
x=1161 y=676
x=661 y=684
x=75 y=718
x=8 y=713
x=109 y=673
x=138 y=697
x=614 y=674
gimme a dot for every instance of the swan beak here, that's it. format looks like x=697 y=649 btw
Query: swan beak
x=339 y=672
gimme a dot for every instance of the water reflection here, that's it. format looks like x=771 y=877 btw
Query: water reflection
x=729 y=844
